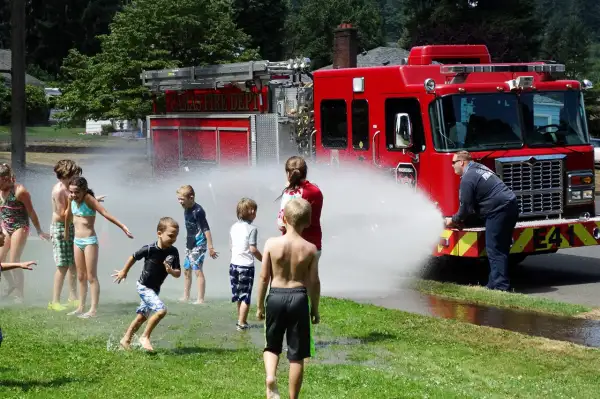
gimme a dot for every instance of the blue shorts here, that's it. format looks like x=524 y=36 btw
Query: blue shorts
x=194 y=258
x=241 y=279
x=150 y=301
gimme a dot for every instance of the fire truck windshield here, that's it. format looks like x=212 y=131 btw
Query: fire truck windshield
x=476 y=122
x=554 y=118
x=506 y=120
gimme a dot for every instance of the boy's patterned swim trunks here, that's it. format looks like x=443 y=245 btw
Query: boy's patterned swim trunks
x=150 y=302
x=194 y=258
x=63 y=250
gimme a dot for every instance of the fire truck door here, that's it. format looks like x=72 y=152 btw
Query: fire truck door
x=360 y=129
x=198 y=145
x=404 y=138
x=165 y=146
x=234 y=145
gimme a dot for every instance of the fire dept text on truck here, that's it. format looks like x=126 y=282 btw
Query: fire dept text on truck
x=213 y=102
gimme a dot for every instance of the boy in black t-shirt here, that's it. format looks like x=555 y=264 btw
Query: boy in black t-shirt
x=161 y=259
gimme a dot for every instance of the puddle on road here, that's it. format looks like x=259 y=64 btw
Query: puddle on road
x=578 y=331
x=575 y=330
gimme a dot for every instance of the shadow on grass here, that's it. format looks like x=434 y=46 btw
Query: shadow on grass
x=193 y=350
x=27 y=385
x=372 y=337
x=375 y=337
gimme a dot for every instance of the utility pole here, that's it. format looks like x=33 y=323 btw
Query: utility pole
x=18 y=85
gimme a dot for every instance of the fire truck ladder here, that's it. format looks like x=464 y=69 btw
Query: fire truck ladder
x=212 y=76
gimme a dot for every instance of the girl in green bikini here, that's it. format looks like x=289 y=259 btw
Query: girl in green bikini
x=16 y=209
x=82 y=211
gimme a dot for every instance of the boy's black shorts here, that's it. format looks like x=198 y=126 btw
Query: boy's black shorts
x=287 y=312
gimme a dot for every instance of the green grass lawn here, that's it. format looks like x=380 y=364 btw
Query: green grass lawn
x=363 y=351
x=48 y=132
x=479 y=295
x=49 y=135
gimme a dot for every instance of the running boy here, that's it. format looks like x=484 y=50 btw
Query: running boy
x=243 y=239
x=198 y=240
x=290 y=266
x=161 y=259
x=62 y=248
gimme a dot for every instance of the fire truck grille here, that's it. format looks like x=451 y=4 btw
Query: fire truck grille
x=538 y=184
x=539 y=203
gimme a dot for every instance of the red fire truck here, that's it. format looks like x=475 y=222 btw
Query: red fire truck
x=221 y=114
x=523 y=120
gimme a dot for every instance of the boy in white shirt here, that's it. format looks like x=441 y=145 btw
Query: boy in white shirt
x=243 y=241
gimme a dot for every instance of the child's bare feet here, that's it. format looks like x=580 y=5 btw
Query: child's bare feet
x=125 y=343
x=87 y=315
x=184 y=299
x=145 y=342
x=9 y=291
x=272 y=391
x=76 y=312
x=199 y=302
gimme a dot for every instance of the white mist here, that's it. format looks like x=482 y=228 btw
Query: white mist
x=375 y=232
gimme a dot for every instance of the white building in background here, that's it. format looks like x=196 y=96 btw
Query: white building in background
x=119 y=126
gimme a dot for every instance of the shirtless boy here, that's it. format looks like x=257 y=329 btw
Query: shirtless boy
x=290 y=265
x=65 y=170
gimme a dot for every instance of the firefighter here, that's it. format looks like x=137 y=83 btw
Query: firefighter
x=483 y=193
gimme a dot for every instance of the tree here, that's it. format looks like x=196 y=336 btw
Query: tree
x=565 y=41
x=53 y=27
x=36 y=104
x=263 y=21
x=592 y=97
x=509 y=28
x=392 y=19
x=148 y=34
x=310 y=28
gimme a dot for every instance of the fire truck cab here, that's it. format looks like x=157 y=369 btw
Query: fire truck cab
x=524 y=121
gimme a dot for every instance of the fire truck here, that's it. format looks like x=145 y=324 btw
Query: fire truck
x=223 y=115
x=525 y=121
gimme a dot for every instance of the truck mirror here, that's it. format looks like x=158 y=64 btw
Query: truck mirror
x=403 y=131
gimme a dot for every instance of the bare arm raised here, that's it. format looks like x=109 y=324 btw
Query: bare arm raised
x=93 y=204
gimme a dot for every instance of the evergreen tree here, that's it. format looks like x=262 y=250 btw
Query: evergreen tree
x=510 y=29
x=263 y=21
x=310 y=28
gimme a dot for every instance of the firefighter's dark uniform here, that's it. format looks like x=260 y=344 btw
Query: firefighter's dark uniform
x=483 y=193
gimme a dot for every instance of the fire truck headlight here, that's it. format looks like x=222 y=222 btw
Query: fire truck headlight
x=524 y=82
x=576 y=195
x=429 y=85
x=588 y=194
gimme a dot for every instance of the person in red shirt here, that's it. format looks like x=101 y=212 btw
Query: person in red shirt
x=299 y=187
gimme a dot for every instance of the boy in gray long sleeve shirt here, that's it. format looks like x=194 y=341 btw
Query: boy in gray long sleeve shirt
x=483 y=193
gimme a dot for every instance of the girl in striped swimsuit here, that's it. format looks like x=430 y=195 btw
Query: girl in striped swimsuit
x=16 y=209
